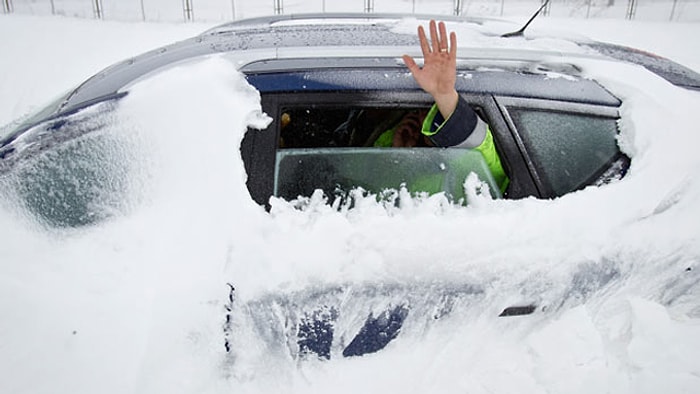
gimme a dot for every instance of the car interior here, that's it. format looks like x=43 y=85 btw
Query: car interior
x=321 y=127
x=342 y=149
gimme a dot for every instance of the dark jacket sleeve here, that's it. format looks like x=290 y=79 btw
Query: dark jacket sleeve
x=453 y=131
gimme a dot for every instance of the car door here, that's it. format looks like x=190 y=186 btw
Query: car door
x=553 y=135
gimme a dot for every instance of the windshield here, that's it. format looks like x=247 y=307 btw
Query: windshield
x=7 y=134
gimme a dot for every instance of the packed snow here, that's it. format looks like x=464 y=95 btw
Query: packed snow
x=138 y=302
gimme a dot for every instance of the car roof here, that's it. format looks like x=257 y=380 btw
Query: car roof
x=270 y=39
x=286 y=43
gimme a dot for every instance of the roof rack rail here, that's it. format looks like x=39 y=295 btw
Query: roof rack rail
x=271 y=19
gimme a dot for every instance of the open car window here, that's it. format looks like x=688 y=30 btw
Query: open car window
x=330 y=127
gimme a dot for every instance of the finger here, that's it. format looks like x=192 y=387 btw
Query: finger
x=414 y=68
x=410 y=63
x=434 y=37
x=443 y=36
x=424 y=46
x=453 y=44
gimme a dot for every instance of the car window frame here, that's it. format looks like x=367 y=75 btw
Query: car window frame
x=525 y=177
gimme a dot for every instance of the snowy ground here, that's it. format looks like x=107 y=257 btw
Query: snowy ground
x=136 y=304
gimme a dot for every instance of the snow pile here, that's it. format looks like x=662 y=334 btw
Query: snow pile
x=137 y=304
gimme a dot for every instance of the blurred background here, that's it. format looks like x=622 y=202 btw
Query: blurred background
x=226 y=10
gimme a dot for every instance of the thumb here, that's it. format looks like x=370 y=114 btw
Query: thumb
x=410 y=63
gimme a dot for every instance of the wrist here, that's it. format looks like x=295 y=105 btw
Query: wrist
x=446 y=102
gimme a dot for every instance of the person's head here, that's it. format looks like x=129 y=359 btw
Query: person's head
x=408 y=131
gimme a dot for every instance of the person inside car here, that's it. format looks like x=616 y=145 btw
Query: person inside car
x=406 y=133
x=450 y=122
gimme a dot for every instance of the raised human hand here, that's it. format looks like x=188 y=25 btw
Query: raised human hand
x=439 y=72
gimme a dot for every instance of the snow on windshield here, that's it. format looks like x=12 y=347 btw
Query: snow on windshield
x=137 y=303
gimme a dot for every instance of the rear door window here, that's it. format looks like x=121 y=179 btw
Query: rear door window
x=568 y=149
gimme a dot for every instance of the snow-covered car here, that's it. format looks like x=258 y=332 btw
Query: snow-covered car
x=330 y=85
x=554 y=128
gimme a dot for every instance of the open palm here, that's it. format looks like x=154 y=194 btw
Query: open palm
x=438 y=74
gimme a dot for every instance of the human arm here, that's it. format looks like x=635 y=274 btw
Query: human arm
x=462 y=127
x=451 y=116
x=451 y=121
